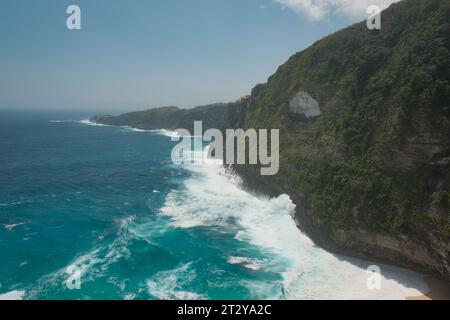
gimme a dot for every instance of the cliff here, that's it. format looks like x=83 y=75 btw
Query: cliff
x=365 y=137
x=364 y=119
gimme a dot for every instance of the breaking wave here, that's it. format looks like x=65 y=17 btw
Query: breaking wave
x=212 y=197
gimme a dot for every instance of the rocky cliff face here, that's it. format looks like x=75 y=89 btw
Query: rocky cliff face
x=365 y=137
x=364 y=119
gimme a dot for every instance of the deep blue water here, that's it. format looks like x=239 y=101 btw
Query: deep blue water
x=70 y=190
x=108 y=202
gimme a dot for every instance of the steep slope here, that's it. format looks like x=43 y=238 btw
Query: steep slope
x=365 y=137
x=364 y=119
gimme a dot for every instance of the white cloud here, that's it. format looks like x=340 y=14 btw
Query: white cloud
x=320 y=9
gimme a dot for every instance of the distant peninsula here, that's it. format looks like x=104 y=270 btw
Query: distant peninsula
x=169 y=118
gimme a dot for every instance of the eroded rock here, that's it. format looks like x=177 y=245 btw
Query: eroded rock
x=303 y=104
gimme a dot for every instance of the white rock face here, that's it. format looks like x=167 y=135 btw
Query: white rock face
x=303 y=103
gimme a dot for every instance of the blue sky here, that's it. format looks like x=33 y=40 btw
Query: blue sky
x=134 y=54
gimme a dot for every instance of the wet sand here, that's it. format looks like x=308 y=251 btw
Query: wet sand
x=438 y=290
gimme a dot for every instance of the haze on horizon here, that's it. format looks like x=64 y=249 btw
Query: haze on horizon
x=137 y=54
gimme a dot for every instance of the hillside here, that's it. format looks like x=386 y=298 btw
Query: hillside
x=365 y=137
x=170 y=118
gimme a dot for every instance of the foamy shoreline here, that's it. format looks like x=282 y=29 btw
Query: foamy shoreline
x=438 y=290
x=309 y=272
x=163 y=132
x=261 y=221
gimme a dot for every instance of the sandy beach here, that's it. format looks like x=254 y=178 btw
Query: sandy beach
x=438 y=290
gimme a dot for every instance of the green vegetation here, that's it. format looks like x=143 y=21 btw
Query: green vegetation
x=378 y=90
x=170 y=118
x=378 y=158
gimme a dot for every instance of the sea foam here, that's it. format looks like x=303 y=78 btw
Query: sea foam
x=163 y=132
x=213 y=197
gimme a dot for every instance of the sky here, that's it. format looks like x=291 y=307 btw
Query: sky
x=137 y=54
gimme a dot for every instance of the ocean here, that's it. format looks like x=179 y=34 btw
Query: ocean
x=100 y=212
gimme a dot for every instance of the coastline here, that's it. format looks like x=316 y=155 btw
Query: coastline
x=437 y=290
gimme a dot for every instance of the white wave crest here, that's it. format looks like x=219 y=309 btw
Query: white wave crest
x=162 y=132
x=212 y=197
x=168 y=133
x=249 y=263
x=10 y=227
x=92 y=265
x=60 y=121
x=90 y=123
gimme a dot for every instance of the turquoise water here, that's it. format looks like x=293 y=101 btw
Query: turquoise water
x=109 y=203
